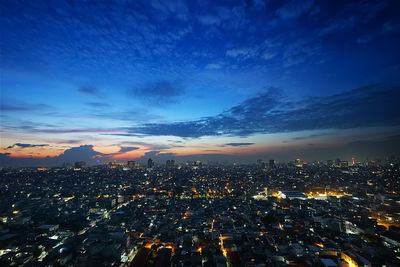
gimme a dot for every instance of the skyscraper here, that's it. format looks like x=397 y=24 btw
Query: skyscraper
x=150 y=163
x=271 y=164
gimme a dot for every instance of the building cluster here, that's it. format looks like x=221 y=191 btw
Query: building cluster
x=196 y=214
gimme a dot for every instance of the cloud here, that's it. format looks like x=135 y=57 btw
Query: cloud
x=387 y=28
x=259 y=4
x=156 y=155
x=339 y=24
x=154 y=146
x=390 y=27
x=84 y=153
x=122 y=150
x=294 y=9
x=267 y=55
x=367 y=38
x=241 y=52
x=26 y=145
x=4 y=107
x=124 y=134
x=239 y=144
x=86 y=130
x=61 y=141
x=268 y=112
x=159 y=92
x=81 y=153
x=312 y=136
x=176 y=9
x=127 y=149
x=22 y=106
x=213 y=66
x=265 y=50
x=93 y=91
x=353 y=14
x=209 y=20
x=300 y=51
x=98 y=104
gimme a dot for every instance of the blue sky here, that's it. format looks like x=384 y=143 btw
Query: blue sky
x=187 y=77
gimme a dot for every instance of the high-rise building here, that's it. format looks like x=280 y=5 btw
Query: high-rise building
x=150 y=163
x=170 y=164
x=272 y=164
x=337 y=162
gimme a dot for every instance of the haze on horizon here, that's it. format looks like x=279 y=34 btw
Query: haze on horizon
x=100 y=81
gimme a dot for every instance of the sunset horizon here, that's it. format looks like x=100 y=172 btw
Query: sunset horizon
x=312 y=80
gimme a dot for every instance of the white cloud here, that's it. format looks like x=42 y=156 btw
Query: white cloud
x=213 y=66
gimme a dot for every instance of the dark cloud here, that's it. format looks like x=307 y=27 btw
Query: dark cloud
x=239 y=144
x=98 y=104
x=127 y=149
x=71 y=141
x=21 y=106
x=128 y=115
x=300 y=51
x=89 y=90
x=390 y=26
x=154 y=146
x=81 y=153
x=311 y=136
x=124 y=134
x=294 y=9
x=4 y=107
x=370 y=106
x=353 y=14
x=159 y=92
x=156 y=155
x=26 y=145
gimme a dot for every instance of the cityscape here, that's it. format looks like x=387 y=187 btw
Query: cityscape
x=197 y=214
x=200 y=133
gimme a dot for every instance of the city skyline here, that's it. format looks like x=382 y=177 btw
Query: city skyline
x=218 y=81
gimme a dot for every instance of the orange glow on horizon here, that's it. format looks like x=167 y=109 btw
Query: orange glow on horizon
x=112 y=151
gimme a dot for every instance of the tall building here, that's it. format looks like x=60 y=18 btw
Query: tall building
x=337 y=162
x=170 y=164
x=272 y=164
x=150 y=163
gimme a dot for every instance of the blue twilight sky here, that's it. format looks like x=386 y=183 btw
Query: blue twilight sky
x=119 y=79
